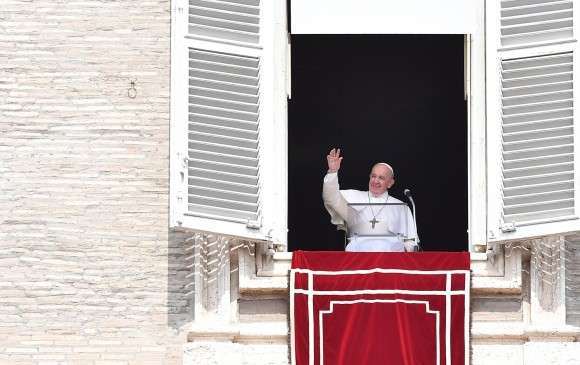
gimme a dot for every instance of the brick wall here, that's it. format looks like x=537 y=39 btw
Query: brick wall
x=89 y=273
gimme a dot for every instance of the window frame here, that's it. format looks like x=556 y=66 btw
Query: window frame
x=477 y=133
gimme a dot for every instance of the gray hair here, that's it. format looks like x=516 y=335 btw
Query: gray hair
x=387 y=166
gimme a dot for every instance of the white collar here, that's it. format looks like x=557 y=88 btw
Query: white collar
x=383 y=197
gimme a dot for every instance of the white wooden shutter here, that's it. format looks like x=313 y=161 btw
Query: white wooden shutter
x=531 y=118
x=223 y=118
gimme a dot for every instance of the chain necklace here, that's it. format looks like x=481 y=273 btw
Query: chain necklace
x=375 y=220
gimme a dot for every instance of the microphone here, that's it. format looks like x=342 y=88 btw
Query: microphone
x=407 y=193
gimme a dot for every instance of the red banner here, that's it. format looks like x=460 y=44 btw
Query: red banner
x=350 y=308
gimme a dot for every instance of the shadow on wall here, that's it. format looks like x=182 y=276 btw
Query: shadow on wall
x=572 y=280
x=180 y=279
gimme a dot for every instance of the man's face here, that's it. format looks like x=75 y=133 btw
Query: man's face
x=380 y=180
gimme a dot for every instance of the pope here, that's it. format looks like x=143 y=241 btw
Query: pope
x=373 y=219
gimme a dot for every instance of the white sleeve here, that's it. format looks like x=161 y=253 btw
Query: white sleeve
x=334 y=202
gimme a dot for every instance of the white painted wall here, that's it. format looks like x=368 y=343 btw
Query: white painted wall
x=383 y=17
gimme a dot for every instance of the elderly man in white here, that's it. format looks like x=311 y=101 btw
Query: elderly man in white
x=370 y=228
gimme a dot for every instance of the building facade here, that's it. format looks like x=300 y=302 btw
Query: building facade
x=143 y=175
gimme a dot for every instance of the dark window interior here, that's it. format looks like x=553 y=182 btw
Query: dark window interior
x=392 y=98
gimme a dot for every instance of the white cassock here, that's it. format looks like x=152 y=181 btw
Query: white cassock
x=394 y=223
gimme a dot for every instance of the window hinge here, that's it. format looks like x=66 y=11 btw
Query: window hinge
x=508 y=227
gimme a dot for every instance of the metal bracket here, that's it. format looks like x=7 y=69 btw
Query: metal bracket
x=253 y=225
x=508 y=227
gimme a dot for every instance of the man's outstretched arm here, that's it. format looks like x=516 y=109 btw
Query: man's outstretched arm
x=330 y=188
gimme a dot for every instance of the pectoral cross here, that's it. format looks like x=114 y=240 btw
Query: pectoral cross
x=373 y=222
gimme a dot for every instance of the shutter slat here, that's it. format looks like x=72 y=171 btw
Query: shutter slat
x=253 y=3
x=231 y=105
x=537 y=116
x=227 y=173
x=223 y=58
x=537 y=107
x=223 y=113
x=223 y=185
x=233 y=196
x=565 y=13
x=230 y=6
x=211 y=211
x=545 y=61
x=218 y=144
x=515 y=71
x=538 y=161
x=537 y=124
x=243 y=18
x=537 y=98
x=251 y=72
x=537 y=26
x=538 y=188
x=537 y=143
x=242 y=144
x=540 y=197
x=223 y=122
x=533 y=89
x=216 y=155
x=230 y=34
x=537 y=80
x=223 y=76
x=518 y=3
x=220 y=94
x=224 y=130
x=538 y=170
x=539 y=179
x=538 y=207
x=223 y=203
x=541 y=7
x=223 y=23
x=537 y=152
x=536 y=37
x=541 y=216
x=537 y=133
x=224 y=86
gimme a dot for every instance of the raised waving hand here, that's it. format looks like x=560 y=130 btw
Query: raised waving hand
x=334 y=159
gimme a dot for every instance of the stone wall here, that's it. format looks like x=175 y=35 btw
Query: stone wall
x=89 y=273
x=573 y=280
